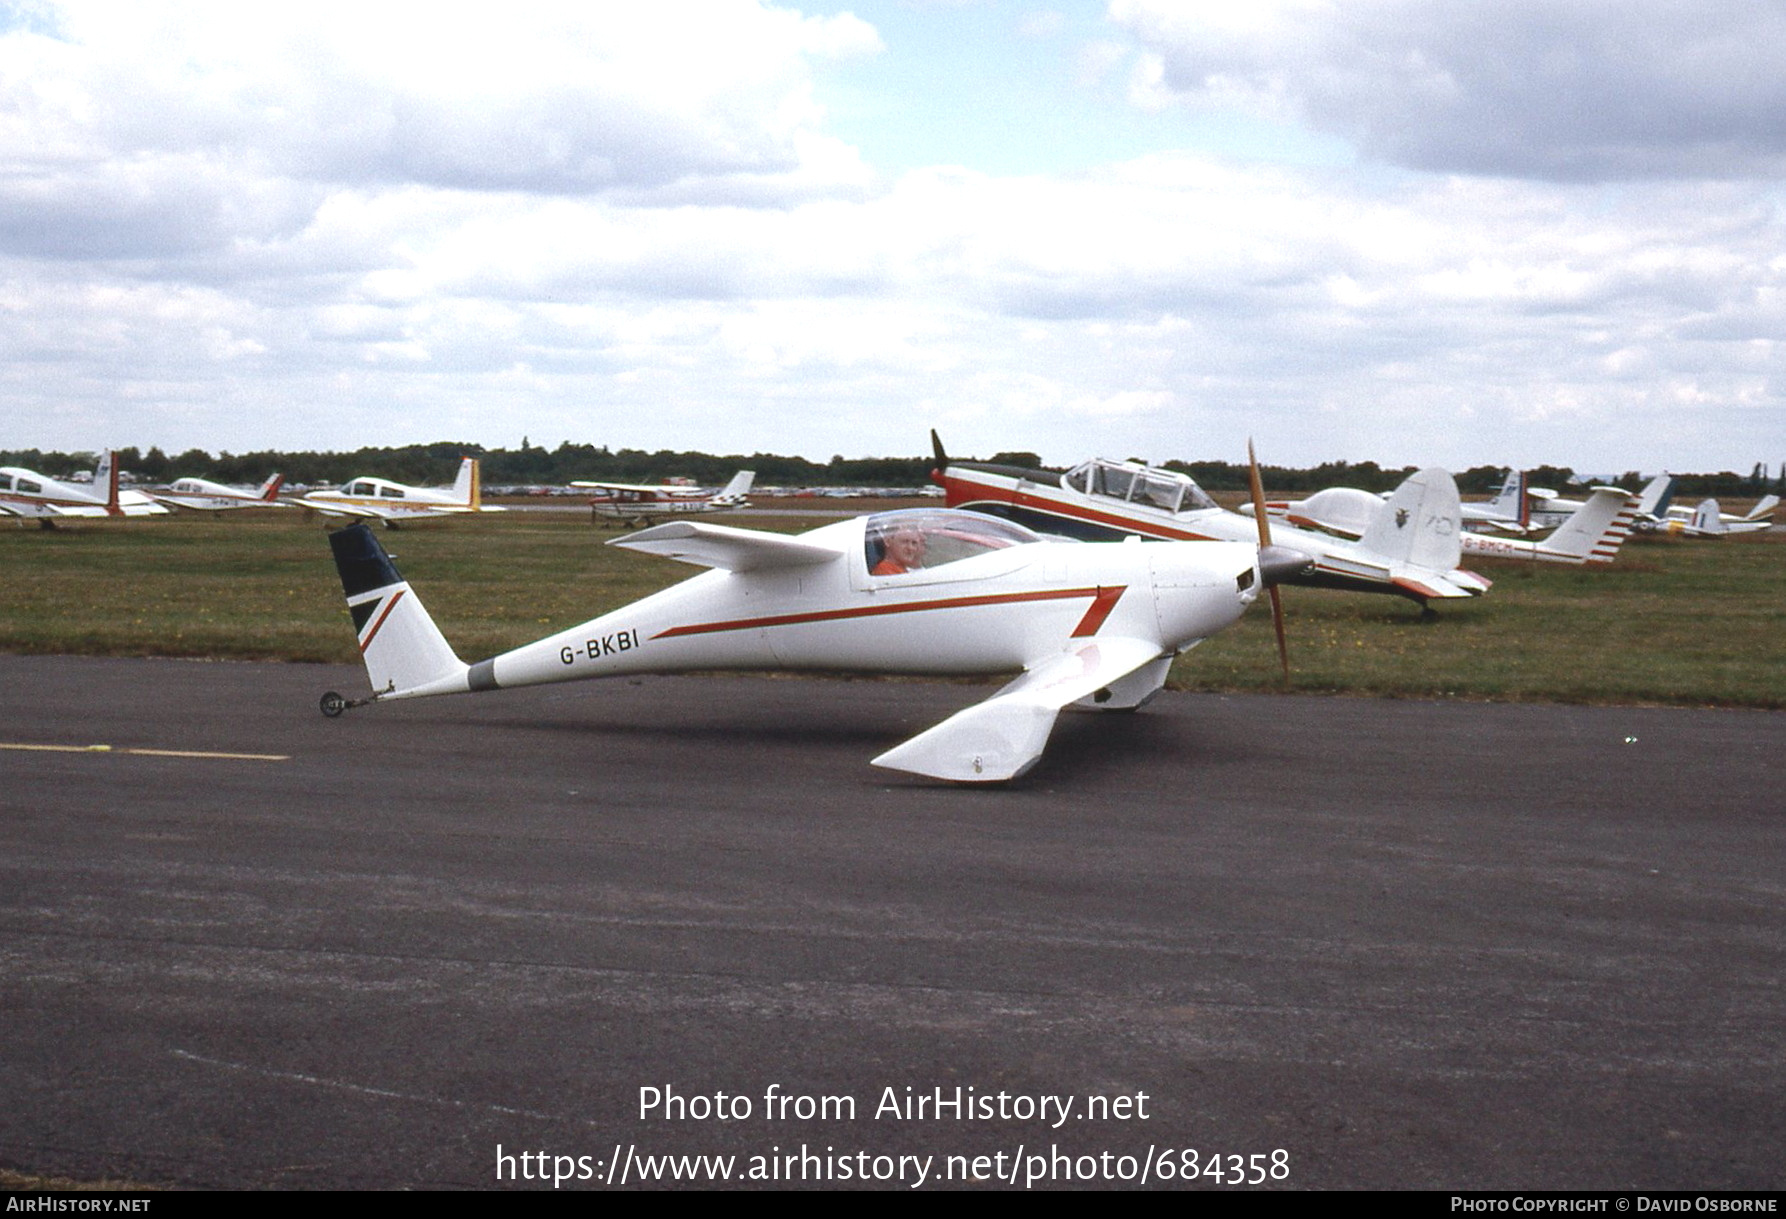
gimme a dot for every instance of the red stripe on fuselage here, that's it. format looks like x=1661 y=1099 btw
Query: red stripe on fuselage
x=960 y=490
x=1103 y=600
x=1099 y=610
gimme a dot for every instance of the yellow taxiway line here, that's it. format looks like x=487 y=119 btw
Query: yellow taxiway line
x=152 y=753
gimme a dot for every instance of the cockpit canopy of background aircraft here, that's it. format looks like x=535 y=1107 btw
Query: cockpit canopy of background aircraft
x=1137 y=484
x=367 y=488
x=927 y=538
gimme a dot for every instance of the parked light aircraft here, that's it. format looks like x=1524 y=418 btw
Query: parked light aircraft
x=1592 y=533
x=205 y=495
x=1509 y=511
x=1345 y=510
x=632 y=504
x=1553 y=510
x=921 y=591
x=1709 y=521
x=1410 y=548
x=383 y=500
x=27 y=493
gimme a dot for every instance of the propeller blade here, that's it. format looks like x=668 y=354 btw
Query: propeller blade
x=1277 y=620
x=1264 y=521
x=1258 y=493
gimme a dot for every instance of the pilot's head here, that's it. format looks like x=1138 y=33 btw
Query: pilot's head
x=905 y=546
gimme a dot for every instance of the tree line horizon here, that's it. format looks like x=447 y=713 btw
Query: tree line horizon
x=436 y=464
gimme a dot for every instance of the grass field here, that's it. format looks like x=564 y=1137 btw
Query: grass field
x=1679 y=622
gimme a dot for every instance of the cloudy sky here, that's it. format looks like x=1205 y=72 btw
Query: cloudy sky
x=1408 y=231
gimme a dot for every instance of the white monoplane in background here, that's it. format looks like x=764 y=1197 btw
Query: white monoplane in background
x=633 y=504
x=920 y=591
x=201 y=494
x=1592 y=533
x=1409 y=546
x=1709 y=521
x=383 y=500
x=27 y=493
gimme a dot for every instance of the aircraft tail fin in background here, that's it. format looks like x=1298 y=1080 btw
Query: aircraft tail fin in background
x=405 y=652
x=1764 y=508
x=1595 y=531
x=269 y=490
x=105 y=481
x=1418 y=525
x=1652 y=502
x=737 y=489
x=468 y=487
x=1510 y=501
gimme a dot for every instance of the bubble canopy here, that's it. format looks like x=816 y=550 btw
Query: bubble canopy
x=922 y=539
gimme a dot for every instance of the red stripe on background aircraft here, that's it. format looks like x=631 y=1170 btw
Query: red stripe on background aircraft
x=201 y=494
x=1410 y=547
x=29 y=494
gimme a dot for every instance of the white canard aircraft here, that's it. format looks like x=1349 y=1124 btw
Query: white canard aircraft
x=919 y=591
x=633 y=504
x=1592 y=533
x=204 y=495
x=383 y=500
x=26 y=493
x=1410 y=547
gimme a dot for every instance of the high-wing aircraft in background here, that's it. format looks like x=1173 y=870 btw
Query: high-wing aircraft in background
x=204 y=495
x=1509 y=511
x=1410 y=547
x=1592 y=533
x=634 y=504
x=921 y=591
x=27 y=493
x=383 y=500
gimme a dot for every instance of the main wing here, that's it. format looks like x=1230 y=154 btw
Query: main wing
x=664 y=492
x=1004 y=736
x=395 y=511
x=725 y=547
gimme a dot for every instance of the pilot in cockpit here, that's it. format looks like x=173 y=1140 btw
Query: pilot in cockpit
x=902 y=550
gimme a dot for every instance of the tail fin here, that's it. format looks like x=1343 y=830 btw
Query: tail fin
x=105 y=479
x=1653 y=501
x=1419 y=523
x=1763 y=509
x=1510 y=501
x=737 y=489
x=1595 y=531
x=468 y=488
x=1708 y=517
x=405 y=652
x=269 y=490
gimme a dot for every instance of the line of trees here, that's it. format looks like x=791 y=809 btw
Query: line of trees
x=437 y=463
